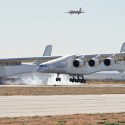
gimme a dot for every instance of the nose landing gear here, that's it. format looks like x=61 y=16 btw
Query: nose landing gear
x=58 y=78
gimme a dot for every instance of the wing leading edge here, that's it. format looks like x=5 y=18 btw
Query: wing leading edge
x=18 y=61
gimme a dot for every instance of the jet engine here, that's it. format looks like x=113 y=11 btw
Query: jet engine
x=78 y=63
x=93 y=62
x=109 y=61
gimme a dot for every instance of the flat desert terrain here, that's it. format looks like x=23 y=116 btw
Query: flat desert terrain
x=92 y=87
x=75 y=119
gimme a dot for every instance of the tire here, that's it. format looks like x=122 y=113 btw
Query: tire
x=84 y=80
x=59 y=79
x=70 y=79
x=73 y=80
x=56 y=79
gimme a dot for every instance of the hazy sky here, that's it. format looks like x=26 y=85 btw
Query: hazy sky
x=27 y=26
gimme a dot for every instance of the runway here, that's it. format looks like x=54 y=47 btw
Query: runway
x=79 y=85
x=14 y=106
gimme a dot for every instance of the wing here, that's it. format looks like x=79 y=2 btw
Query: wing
x=19 y=61
x=118 y=56
x=82 y=12
x=107 y=59
x=101 y=57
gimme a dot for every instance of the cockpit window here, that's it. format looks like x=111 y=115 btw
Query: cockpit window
x=42 y=65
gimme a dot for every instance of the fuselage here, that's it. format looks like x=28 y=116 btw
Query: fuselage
x=64 y=65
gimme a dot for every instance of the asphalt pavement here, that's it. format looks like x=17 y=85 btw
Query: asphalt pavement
x=14 y=106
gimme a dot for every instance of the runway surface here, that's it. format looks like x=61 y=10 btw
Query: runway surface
x=14 y=106
x=79 y=85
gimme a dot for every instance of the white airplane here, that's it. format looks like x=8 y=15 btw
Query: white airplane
x=14 y=66
x=79 y=65
x=76 y=12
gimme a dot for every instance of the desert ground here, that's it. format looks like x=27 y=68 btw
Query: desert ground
x=75 y=119
x=9 y=90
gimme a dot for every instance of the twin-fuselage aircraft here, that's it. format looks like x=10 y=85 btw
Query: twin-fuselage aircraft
x=74 y=65
x=79 y=65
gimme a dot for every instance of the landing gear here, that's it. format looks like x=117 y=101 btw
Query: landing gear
x=58 y=78
x=74 y=78
x=77 y=78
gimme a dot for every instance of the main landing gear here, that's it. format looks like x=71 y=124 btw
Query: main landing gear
x=75 y=78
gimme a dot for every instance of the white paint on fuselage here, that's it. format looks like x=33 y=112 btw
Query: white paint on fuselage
x=52 y=67
x=2 y=71
x=6 y=71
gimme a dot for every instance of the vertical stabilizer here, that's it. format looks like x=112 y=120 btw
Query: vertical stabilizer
x=80 y=9
x=123 y=48
x=48 y=50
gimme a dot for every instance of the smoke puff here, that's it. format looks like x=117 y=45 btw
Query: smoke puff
x=41 y=79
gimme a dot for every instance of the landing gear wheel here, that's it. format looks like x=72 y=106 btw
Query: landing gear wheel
x=70 y=79
x=80 y=80
x=77 y=79
x=84 y=80
x=58 y=79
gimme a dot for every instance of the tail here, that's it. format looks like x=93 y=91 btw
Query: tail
x=80 y=9
x=122 y=48
x=48 y=50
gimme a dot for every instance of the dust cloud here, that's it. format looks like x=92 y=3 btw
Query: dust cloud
x=43 y=79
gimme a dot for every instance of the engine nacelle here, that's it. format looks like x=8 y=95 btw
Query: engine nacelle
x=109 y=61
x=78 y=63
x=93 y=62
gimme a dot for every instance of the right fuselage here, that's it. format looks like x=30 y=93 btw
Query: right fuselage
x=64 y=65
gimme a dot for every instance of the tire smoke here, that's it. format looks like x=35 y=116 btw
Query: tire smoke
x=40 y=79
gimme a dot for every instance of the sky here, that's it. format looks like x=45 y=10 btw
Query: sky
x=27 y=26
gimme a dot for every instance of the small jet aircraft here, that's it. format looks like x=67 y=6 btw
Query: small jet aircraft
x=76 y=12
x=79 y=65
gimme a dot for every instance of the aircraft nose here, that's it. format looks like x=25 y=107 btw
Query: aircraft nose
x=42 y=68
